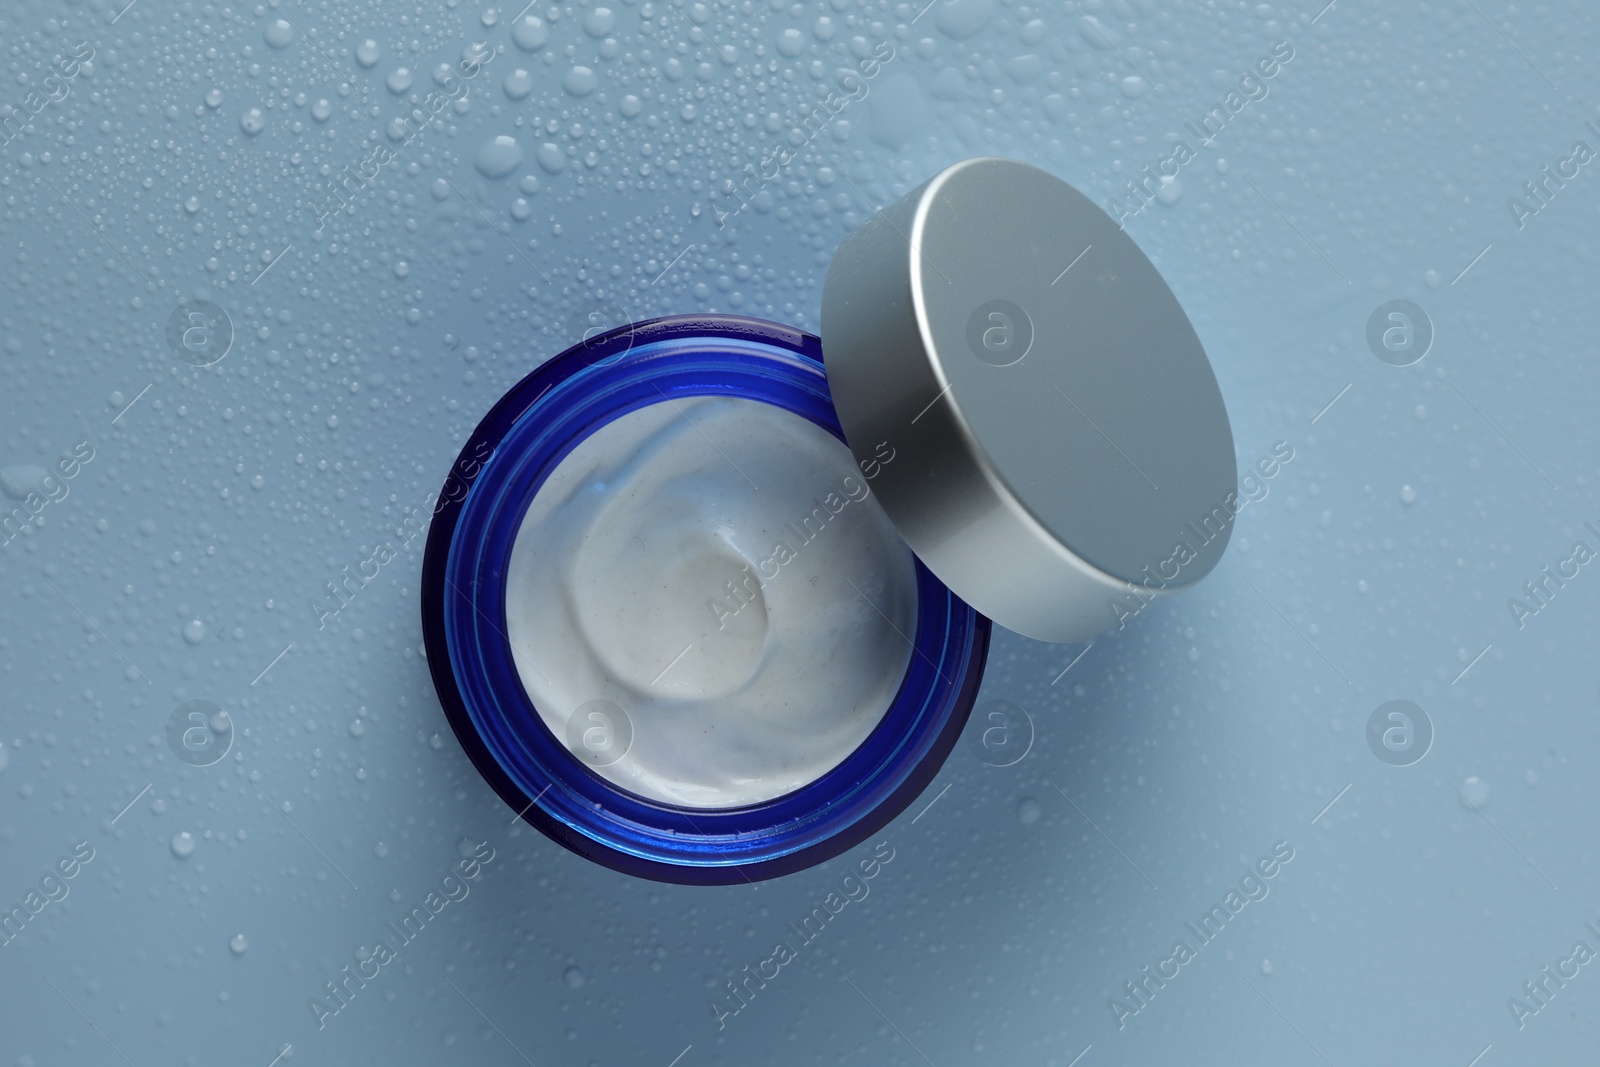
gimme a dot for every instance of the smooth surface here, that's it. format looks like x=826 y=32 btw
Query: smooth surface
x=1374 y=566
x=1062 y=424
x=745 y=611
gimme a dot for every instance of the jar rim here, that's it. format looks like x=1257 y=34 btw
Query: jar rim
x=500 y=469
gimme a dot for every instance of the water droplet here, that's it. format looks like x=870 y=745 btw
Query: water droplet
x=5 y=756
x=279 y=33
x=380 y=850
x=1094 y=32
x=550 y=158
x=214 y=98
x=253 y=121
x=401 y=269
x=791 y=42
x=436 y=742
x=1028 y=811
x=321 y=110
x=367 y=52
x=579 y=81
x=238 y=944
x=530 y=33
x=1132 y=86
x=1474 y=793
x=192 y=204
x=960 y=19
x=399 y=79
x=1169 y=191
x=498 y=156
x=598 y=22
x=518 y=84
x=18 y=481
x=183 y=845
x=1266 y=966
x=466 y=847
x=1408 y=495
x=357 y=728
x=194 y=631
x=573 y=977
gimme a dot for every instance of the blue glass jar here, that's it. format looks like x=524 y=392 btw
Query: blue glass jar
x=502 y=466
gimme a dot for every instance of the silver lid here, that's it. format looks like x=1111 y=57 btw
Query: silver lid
x=1056 y=430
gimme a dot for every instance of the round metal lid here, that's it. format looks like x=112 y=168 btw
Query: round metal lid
x=1053 y=428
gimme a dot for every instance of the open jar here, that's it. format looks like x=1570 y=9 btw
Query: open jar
x=704 y=611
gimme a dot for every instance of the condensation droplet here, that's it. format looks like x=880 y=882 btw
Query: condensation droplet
x=550 y=157
x=399 y=80
x=579 y=81
x=1474 y=793
x=183 y=844
x=498 y=156
x=279 y=33
x=253 y=121
x=573 y=977
x=1028 y=811
x=1408 y=495
x=238 y=944
x=530 y=33
x=194 y=631
x=518 y=84
x=367 y=52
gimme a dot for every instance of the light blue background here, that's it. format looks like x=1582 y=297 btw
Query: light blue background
x=1168 y=758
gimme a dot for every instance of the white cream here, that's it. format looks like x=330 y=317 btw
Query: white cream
x=718 y=569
